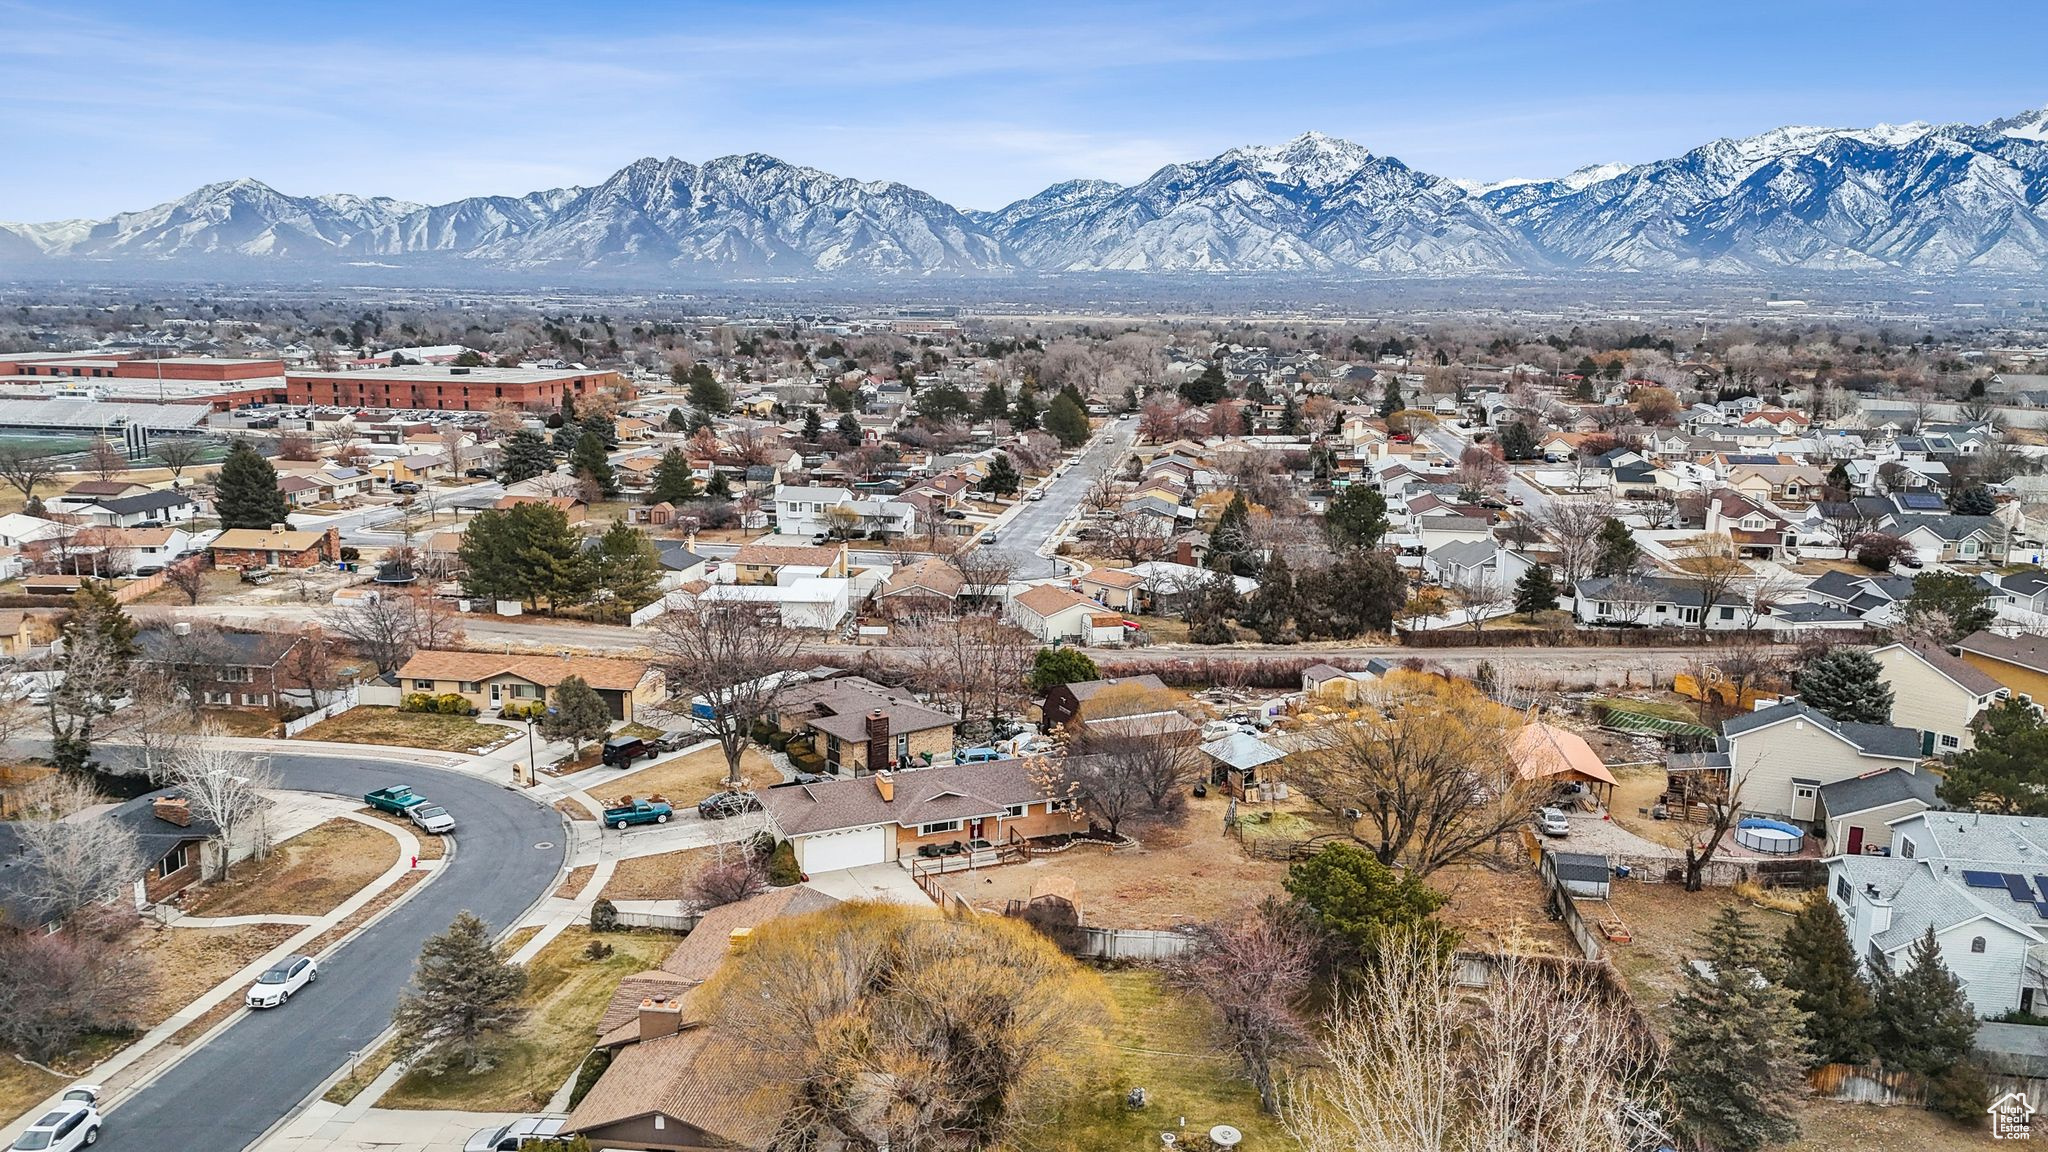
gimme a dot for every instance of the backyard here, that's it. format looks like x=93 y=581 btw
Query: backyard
x=310 y=874
x=566 y=994
x=367 y=725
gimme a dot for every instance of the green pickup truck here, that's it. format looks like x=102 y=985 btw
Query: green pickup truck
x=395 y=799
x=639 y=812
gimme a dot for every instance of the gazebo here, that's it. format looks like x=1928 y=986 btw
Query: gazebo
x=1546 y=752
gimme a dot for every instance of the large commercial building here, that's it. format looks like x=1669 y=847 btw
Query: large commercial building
x=450 y=389
x=121 y=366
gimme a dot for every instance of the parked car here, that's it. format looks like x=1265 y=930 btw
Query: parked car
x=395 y=799
x=621 y=751
x=514 y=1136
x=955 y=514
x=69 y=1125
x=1552 y=822
x=431 y=817
x=1036 y=494
x=639 y=812
x=282 y=979
x=405 y=487
x=674 y=740
x=478 y=473
x=990 y=538
x=721 y=805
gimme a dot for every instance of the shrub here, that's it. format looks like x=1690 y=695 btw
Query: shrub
x=604 y=916
x=728 y=882
x=452 y=704
x=782 y=869
x=597 y=950
x=349 y=552
x=593 y=1066
x=520 y=711
x=778 y=740
x=417 y=702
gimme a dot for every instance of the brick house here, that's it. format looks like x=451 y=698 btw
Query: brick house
x=279 y=547
x=260 y=670
x=179 y=849
x=490 y=681
x=876 y=819
x=858 y=725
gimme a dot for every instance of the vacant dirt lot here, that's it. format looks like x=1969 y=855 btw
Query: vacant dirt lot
x=308 y=875
x=1835 y=1126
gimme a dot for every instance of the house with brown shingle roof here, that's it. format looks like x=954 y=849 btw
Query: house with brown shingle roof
x=491 y=680
x=1051 y=612
x=764 y=563
x=890 y=816
x=576 y=510
x=277 y=547
x=1113 y=588
x=921 y=590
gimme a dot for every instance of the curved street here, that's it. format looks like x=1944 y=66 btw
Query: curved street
x=232 y=1090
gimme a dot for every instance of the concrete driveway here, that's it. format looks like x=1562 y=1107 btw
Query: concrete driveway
x=888 y=883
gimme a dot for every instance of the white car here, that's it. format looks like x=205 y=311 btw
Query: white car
x=516 y=1135
x=71 y=1124
x=1552 y=822
x=285 y=977
x=1036 y=494
x=431 y=817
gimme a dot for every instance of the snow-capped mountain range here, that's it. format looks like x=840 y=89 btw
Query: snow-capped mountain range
x=1913 y=199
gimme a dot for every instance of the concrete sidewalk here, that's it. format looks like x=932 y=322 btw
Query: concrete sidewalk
x=326 y=1127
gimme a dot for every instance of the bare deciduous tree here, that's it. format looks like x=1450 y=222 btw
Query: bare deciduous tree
x=388 y=628
x=736 y=659
x=226 y=786
x=188 y=578
x=26 y=467
x=106 y=459
x=57 y=989
x=72 y=859
x=1544 y=1058
x=1573 y=529
x=1253 y=971
x=177 y=453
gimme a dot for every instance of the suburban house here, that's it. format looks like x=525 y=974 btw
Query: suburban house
x=575 y=510
x=413 y=468
x=1937 y=694
x=1952 y=539
x=1113 y=588
x=921 y=590
x=680 y=566
x=26 y=632
x=92 y=492
x=887 y=817
x=1066 y=703
x=804 y=511
x=675 y=1078
x=232 y=669
x=490 y=680
x=810 y=603
x=1778 y=758
x=168 y=506
x=863 y=726
x=784 y=564
x=1330 y=684
x=179 y=849
x=1655 y=602
x=1976 y=881
x=1051 y=612
x=278 y=547
x=1856 y=813
x=2018 y=662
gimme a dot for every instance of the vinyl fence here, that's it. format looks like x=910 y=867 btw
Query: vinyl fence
x=1131 y=944
x=340 y=704
x=666 y=921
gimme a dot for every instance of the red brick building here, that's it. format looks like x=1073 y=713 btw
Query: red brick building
x=121 y=366
x=448 y=388
x=276 y=548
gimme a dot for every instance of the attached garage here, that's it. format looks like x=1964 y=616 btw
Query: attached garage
x=850 y=848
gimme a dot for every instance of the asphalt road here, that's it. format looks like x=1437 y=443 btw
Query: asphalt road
x=232 y=1090
x=1451 y=444
x=1026 y=533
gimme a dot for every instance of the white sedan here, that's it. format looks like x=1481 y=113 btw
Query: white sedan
x=70 y=1125
x=285 y=977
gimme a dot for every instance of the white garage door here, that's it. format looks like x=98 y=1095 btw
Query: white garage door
x=832 y=851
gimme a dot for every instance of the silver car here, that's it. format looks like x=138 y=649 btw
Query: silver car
x=71 y=1125
x=513 y=1136
x=277 y=984
x=1552 y=822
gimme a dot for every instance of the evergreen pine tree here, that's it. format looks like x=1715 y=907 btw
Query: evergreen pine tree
x=1255 y=391
x=565 y=438
x=1390 y=396
x=1848 y=685
x=625 y=570
x=1357 y=517
x=245 y=493
x=1290 y=418
x=814 y=426
x=1516 y=441
x=707 y=395
x=526 y=455
x=1067 y=421
x=719 y=487
x=1024 y=413
x=1618 y=554
x=576 y=713
x=1820 y=968
x=1925 y=1025
x=995 y=402
x=568 y=408
x=463 y=991
x=1536 y=591
x=607 y=429
x=676 y=421
x=848 y=428
x=1738 y=1046
x=1231 y=537
x=1269 y=610
x=1002 y=478
x=589 y=460
x=673 y=483
x=1207 y=388
x=2006 y=769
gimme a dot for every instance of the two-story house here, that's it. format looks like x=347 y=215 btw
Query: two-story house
x=1776 y=760
x=1937 y=695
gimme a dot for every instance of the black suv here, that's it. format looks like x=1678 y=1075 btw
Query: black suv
x=720 y=805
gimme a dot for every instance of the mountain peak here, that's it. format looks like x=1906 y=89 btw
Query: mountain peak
x=1311 y=159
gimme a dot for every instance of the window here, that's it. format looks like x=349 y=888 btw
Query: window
x=173 y=861
x=1950 y=743
x=423 y=685
x=1727 y=613
x=936 y=829
x=1976 y=944
x=1906 y=848
x=256 y=699
x=471 y=686
x=1015 y=809
x=1842 y=889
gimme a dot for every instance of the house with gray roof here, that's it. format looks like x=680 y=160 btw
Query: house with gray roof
x=1654 y=602
x=1857 y=812
x=898 y=816
x=1777 y=759
x=1977 y=881
x=1936 y=694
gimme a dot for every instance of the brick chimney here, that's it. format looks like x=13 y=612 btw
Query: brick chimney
x=660 y=1016
x=885 y=787
x=173 y=810
x=1184 y=553
x=878 y=740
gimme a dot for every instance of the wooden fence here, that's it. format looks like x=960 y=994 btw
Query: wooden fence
x=1131 y=944
x=666 y=921
x=1583 y=934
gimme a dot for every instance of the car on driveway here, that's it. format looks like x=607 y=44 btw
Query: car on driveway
x=518 y=1134
x=277 y=984
x=1552 y=822
x=71 y=1124
x=720 y=805
x=405 y=487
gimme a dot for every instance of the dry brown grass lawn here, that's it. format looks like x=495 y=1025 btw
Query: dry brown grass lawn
x=308 y=875
x=572 y=886
x=23 y=1087
x=1665 y=922
x=1837 y=1126
x=1499 y=910
x=241 y=722
x=409 y=730
x=688 y=779
x=663 y=877
x=361 y=916
x=1182 y=875
x=574 y=809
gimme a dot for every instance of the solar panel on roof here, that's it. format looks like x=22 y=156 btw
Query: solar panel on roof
x=1920 y=501
x=2041 y=909
x=2041 y=883
x=2017 y=887
x=1984 y=879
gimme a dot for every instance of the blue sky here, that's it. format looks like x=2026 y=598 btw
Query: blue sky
x=114 y=106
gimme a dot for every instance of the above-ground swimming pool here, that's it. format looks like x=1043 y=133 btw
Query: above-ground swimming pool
x=1773 y=836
